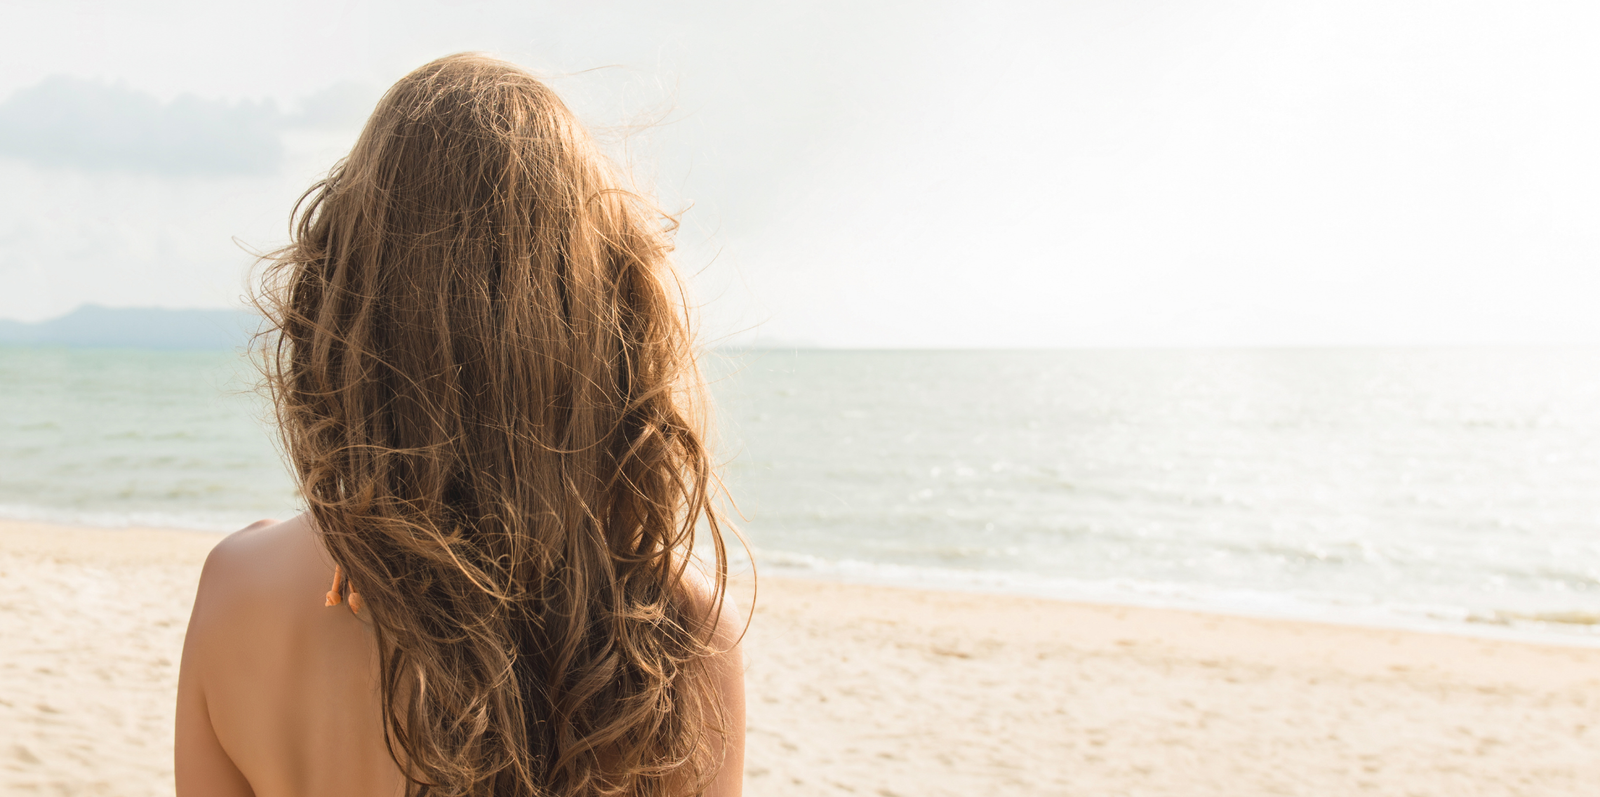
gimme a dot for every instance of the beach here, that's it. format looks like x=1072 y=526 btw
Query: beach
x=857 y=689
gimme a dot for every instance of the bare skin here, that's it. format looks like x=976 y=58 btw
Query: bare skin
x=277 y=695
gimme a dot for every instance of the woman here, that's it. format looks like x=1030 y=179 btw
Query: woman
x=484 y=380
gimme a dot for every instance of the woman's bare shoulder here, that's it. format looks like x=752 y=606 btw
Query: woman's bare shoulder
x=259 y=572
x=276 y=687
x=706 y=600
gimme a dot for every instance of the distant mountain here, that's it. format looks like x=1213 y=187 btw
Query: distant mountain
x=136 y=328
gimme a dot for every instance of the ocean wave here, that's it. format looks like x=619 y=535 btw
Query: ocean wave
x=1575 y=626
x=221 y=522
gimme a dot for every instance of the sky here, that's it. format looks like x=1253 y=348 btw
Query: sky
x=889 y=174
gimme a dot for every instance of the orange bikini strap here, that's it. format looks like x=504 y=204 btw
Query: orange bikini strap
x=336 y=593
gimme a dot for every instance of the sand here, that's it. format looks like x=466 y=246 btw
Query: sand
x=883 y=691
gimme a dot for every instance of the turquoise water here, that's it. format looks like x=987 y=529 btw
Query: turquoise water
x=1451 y=488
x=119 y=437
x=1421 y=487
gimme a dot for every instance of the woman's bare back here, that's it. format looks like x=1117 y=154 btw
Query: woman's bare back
x=278 y=692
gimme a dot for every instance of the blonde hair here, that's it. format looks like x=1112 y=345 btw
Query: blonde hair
x=484 y=379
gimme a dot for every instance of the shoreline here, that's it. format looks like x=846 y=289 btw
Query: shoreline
x=993 y=584
x=858 y=688
x=1316 y=614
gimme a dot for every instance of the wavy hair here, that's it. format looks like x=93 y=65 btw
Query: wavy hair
x=483 y=373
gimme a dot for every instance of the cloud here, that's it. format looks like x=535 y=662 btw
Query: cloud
x=66 y=121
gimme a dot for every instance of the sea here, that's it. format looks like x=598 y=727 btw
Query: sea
x=1442 y=489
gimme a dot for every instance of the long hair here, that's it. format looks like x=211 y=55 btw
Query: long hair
x=484 y=378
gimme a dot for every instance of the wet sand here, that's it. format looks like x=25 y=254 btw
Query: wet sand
x=879 y=690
